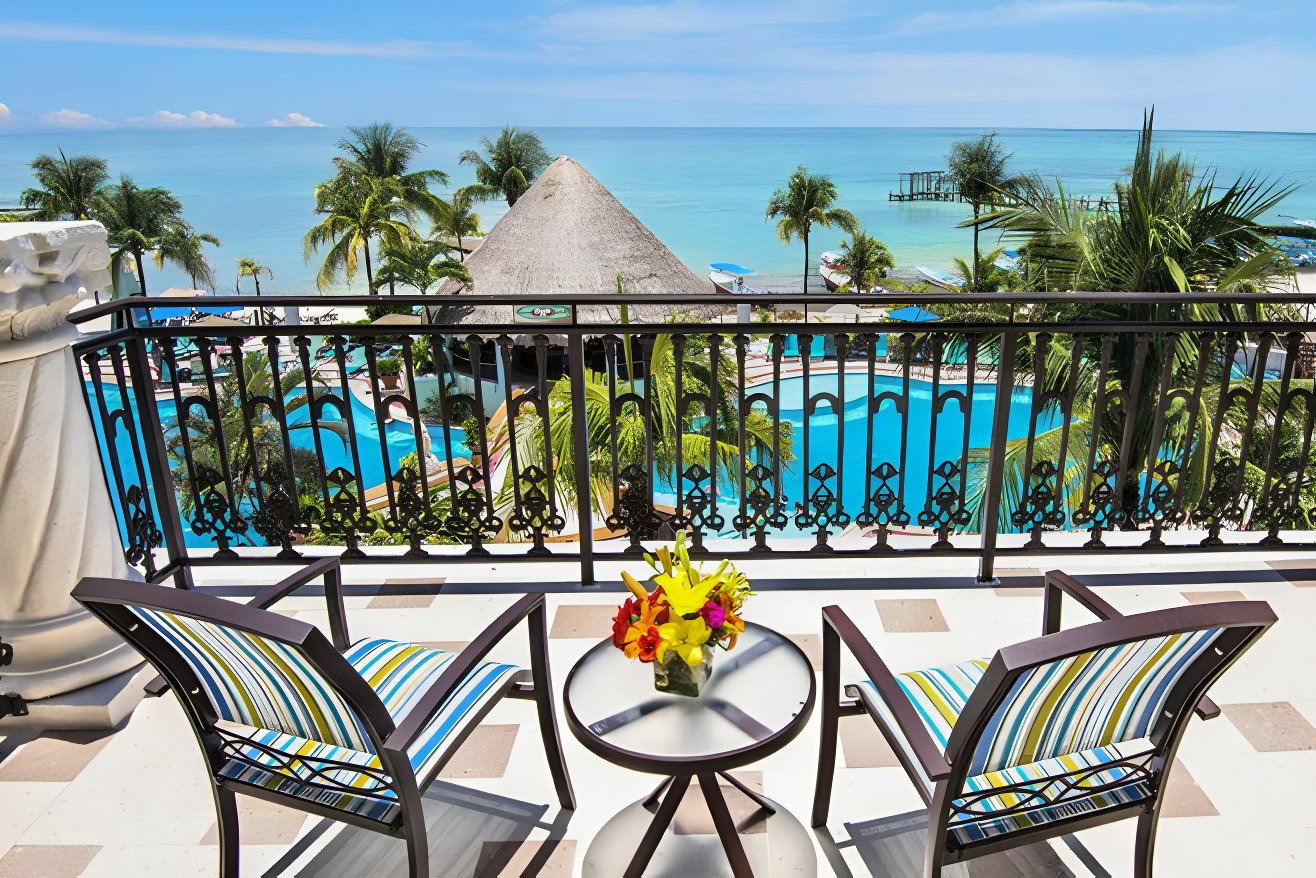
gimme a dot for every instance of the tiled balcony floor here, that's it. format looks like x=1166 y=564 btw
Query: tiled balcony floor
x=134 y=802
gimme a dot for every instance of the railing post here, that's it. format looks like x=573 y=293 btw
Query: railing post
x=991 y=504
x=580 y=456
x=157 y=458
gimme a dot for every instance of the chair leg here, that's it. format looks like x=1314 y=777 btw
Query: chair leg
x=418 y=844
x=831 y=696
x=226 y=821
x=544 y=706
x=1144 y=848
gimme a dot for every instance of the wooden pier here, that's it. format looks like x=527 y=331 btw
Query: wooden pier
x=925 y=186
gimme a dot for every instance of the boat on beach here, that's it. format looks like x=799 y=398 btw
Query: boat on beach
x=729 y=277
x=831 y=267
x=939 y=277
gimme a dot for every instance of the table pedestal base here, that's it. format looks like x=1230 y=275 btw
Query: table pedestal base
x=675 y=789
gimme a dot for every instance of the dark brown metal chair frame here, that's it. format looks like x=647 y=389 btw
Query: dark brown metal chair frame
x=109 y=600
x=1243 y=622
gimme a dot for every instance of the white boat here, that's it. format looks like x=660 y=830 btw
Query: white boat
x=1007 y=261
x=831 y=267
x=939 y=277
x=729 y=277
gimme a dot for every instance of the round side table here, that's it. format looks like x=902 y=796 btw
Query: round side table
x=757 y=701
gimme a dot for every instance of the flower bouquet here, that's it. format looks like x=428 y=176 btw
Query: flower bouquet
x=676 y=625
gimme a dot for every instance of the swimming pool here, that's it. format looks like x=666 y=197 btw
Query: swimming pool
x=826 y=427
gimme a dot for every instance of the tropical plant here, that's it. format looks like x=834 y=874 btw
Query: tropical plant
x=866 y=260
x=385 y=151
x=1171 y=230
x=181 y=245
x=137 y=220
x=625 y=429
x=248 y=267
x=420 y=265
x=356 y=208
x=253 y=443
x=978 y=170
x=388 y=367
x=509 y=165
x=454 y=216
x=66 y=187
x=807 y=200
x=991 y=277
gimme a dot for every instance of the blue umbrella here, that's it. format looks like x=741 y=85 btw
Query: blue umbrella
x=731 y=268
x=913 y=314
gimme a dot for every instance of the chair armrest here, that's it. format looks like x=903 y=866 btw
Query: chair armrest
x=930 y=757
x=1059 y=584
x=331 y=570
x=265 y=598
x=406 y=732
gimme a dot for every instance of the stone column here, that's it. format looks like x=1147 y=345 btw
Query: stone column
x=56 y=521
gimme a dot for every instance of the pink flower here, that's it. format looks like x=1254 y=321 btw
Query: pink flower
x=714 y=615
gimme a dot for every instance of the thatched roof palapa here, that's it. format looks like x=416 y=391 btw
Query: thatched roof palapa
x=568 y=235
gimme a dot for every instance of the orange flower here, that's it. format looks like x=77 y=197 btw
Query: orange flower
x=642 y=638
x=733 y=625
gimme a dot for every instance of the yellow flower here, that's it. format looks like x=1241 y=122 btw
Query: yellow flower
x=687 y=637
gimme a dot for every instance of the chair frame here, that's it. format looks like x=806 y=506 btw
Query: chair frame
x=1242 y=623
x=108 y=599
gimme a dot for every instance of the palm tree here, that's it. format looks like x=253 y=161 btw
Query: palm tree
x=1171 y=230
x=804 y=202
x=137 y=220
x=417 y=264
x=455 y=218
x=385 y=151
x=513 y=162
x=866 y=259
x=991 y=277
x=181 y=244
x=65 y=186
x=248 y=267
x=977 y=168
x=356 y=208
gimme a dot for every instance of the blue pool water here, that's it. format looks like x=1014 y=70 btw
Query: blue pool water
x=399 y=441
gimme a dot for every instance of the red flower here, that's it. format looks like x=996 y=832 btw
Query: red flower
x=642 y=644
x=622 y=621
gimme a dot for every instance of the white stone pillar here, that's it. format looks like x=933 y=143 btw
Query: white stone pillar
x=56 y=521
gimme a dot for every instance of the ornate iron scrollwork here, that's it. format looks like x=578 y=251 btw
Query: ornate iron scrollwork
x=1040 y=508
x=698 y=510
x=1104 y=510
x=945 y=507
x=277 y=517
x=412 y=516
x=1222 y=504
x=471 y=516
x=635 y=512
x=342 y=514
x=885 y=507
x=143 y=534
x=763 y=507
x=534 y=515
x=820 y=510
x=1159 y=506
x=215 y=512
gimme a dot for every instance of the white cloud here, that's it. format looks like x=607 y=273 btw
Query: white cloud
x=33 y=32
x=5 y=113
x=686 y=18
x=294 y=120
x=194 y=119
x=66 y=118
x=1023 y=13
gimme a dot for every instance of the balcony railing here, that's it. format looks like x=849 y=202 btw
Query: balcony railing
x=1180 y=433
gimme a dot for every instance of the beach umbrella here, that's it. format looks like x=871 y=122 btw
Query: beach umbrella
x=845 y=309
x=398 y=320
x=214 y=320
x=913 y=314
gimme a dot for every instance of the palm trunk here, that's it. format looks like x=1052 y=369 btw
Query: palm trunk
x=370 y=275
x=141 y=273
x=461 y=254
x=806 y=276
x=974 y=273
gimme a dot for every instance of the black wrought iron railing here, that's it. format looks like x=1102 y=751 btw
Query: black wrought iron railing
x=242 y=444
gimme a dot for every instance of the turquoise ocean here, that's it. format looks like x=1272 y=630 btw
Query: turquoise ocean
x=702 y=191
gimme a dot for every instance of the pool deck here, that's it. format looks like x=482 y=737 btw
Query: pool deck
x=135 y=801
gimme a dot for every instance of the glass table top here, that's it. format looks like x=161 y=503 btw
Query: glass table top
x=763 y=687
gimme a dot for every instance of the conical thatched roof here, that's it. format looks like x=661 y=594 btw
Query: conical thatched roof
x=568 y=235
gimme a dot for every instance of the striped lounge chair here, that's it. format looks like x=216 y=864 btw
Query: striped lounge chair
x=351 y=731
x=1071 y=730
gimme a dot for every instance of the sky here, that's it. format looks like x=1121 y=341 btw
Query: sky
x=1030 y=63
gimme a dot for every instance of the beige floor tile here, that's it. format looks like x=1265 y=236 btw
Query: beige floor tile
x=863 y=746
x=433 y=581
x=484 y=753
x=47 y=861
x=1272 y=727
x=1184 y=798
x=584 y=620
x=911 y=616
x=812 y=646
x=446 y=645
x=400 y=602
x=261 y=822
x=1212 y=597
x=54 y=757
x=1019 y=582
x=538 y=859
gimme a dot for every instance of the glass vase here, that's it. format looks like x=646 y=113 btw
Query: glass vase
x=673 y=675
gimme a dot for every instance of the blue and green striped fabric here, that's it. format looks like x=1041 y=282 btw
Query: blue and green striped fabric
x=258 y=682
x=1089 y=701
